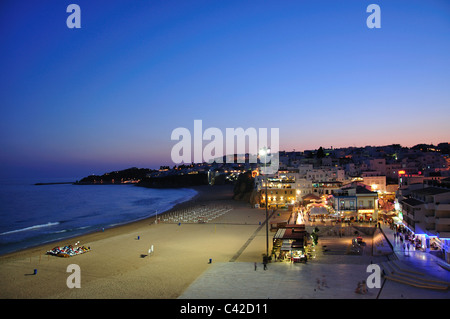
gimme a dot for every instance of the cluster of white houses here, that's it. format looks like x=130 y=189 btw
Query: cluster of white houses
x=351 y=199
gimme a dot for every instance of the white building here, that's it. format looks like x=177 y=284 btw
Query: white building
x=325 y=174
x=357 y=202
x=377 y=183
x=287 y=187
x=426 y=212
x=378 y=164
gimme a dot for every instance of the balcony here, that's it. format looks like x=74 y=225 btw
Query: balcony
x=408 y=214
x=443 y=234
x=429 y=219
x=443 y=209
x=442 y=220
x=366 y=207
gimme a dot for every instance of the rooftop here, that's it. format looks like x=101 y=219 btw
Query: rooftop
x=411 y=202
x=431 y=191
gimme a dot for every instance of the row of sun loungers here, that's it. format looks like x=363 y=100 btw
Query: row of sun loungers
x=199 y=214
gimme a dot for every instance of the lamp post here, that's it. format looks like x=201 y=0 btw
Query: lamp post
x=264 y=152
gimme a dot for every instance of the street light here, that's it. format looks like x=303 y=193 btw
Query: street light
x=264 y=152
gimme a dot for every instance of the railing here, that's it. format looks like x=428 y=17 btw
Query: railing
x=442 y=220
x=366 y=207
x=444 y=234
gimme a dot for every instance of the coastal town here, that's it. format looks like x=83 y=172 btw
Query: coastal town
x=331 y=215
x=408 y=187
x=217 y=158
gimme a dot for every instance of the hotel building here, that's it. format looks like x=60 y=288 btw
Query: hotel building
x=356 y=202
x=426 y=212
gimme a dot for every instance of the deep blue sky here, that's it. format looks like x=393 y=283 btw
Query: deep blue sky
x=107 y=96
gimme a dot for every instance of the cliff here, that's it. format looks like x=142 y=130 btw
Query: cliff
x=244 y=187
x=130 y=175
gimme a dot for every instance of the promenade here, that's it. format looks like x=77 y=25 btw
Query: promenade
x=333 y=276
x=417 y=259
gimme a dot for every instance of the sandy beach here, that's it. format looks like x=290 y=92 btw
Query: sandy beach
x=115 y=267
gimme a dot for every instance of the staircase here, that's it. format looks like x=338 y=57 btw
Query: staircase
x=380 y=245
x=395 y=270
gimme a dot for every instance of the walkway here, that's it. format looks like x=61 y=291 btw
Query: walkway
x=420 y=260
x=236 y=256
x=239 y=280
x=329 y=277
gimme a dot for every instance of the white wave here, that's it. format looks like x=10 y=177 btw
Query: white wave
x=30 y=228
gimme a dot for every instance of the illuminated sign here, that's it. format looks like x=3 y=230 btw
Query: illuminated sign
x=365 y=211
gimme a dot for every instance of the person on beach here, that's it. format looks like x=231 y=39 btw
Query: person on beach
x=256 y=266
x=318 y=284
x=364 y=287
x=324 y=282
x=358 y=288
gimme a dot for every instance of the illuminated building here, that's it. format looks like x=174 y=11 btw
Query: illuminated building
x=426 y=212
x=356 y=202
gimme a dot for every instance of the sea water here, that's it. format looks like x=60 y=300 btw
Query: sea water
x=32 y=215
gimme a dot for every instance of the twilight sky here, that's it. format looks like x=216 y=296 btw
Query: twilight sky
x=105 y=97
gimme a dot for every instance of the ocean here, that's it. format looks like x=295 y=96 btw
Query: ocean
x=32 y=215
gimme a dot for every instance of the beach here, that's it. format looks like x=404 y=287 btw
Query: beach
x=118 y=264
x=192 y=260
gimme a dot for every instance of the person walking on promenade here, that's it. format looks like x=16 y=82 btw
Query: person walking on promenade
x=256 y=266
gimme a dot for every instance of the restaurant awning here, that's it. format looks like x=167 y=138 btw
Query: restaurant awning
x=311 y=197
x=318 y=211
x=349 y=213
x=294 y=233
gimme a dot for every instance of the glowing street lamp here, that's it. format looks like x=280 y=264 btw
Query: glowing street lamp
x=264 y=152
